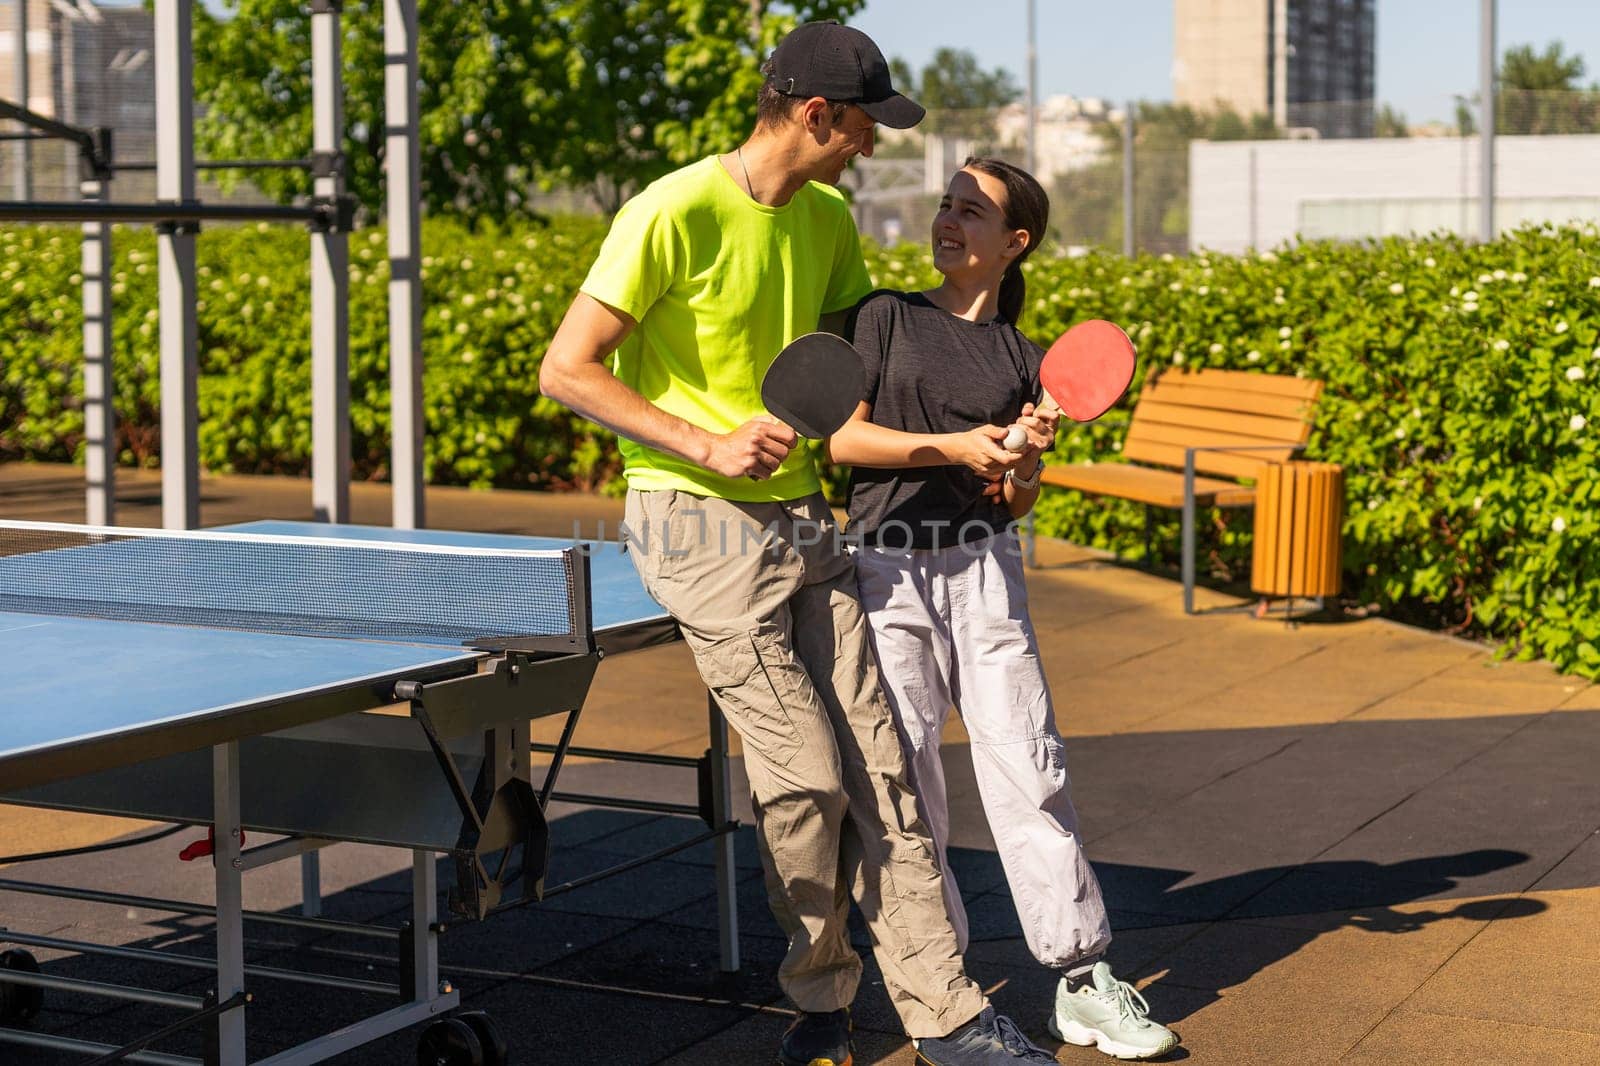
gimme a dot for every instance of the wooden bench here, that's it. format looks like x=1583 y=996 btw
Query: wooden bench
x=1197 y=439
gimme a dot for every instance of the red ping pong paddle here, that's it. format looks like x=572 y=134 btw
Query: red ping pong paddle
x=1085 y=372
x=814 y=384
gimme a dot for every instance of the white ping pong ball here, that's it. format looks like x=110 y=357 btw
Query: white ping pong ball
x=1016 y=437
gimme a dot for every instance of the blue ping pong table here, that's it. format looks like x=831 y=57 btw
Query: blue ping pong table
x=385 y=700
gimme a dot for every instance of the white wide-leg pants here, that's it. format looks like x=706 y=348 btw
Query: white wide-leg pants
x=951 y=627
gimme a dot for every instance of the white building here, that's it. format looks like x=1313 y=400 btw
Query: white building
x=1259 y=194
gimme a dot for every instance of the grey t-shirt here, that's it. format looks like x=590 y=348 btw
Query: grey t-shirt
x=929 y=371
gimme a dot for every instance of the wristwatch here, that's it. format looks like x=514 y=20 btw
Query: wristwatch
x=1026 y=483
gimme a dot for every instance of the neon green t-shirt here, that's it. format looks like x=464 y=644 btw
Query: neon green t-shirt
x=718 y=284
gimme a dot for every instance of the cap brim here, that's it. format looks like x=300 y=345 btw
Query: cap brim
x=896 y=111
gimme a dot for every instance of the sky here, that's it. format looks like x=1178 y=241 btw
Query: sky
x=1122 y=50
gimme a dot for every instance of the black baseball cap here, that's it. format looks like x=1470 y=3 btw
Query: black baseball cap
x=841 y=64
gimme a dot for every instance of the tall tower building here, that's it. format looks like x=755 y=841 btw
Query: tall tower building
x=1307 y=63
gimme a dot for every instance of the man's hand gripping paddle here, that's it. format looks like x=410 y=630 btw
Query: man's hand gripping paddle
x=1084 y=374
x=814 y=384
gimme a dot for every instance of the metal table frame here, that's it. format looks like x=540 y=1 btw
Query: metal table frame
x=493 y=701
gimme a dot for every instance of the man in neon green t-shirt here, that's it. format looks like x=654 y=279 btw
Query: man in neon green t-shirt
x=704 y=277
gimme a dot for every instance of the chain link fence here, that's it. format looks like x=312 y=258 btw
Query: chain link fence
x=1222 y=182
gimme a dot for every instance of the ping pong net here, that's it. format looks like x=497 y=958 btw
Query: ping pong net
x=492 y=598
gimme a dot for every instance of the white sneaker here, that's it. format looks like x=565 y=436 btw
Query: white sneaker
x=1111 y=1015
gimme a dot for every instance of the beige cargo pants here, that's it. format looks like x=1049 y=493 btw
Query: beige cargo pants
x=766 y=598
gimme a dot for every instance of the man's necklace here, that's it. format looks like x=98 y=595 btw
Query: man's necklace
x=751 y=189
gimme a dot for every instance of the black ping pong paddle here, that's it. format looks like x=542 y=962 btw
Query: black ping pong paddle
x=814 y=384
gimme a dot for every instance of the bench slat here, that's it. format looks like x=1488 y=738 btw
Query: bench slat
x=1199 y=394
x=1248 y=381
x=1152 y=449
x=1142 y=484
x=1231 y=422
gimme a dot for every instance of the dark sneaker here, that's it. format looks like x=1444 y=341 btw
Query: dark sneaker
x=817 y=1040
x=990 y=1039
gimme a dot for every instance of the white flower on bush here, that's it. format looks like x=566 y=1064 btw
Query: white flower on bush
x=1558 y=524
x=1467 y=306
x=1477 y=503
x=1561 y=327
x=1204 y=290
x=1286 y=345
x=466 y=264
x=1372 y=504
x=1484 y=279
x=1577 y=422
x=1594 y=282
x=1499 y=275
x=1574 y=373
x=1519 y=277
x=1252 y=356
x=1430 y=262
x=1400 y=433
x=1175 y=286
x=1471 y=295
x=1216 y=349
x=1397 y=288
x=1177 y=358
x=1285 y=332
x=467 y=299
x=1501 y=345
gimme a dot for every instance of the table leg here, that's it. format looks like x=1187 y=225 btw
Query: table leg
x=727 y=889
x=230 y=900
x=311 y=884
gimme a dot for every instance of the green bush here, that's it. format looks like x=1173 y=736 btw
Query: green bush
x=492 y=301
x=1460 y=386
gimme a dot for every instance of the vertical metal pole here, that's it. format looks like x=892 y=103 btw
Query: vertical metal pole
x=404 y=161
x=1255 y=197
x=1130 y=245
x=1280 y=64
x=1188 y=531
x=226 y=820
x=1033 y=90
x=330 y=280
x=1486 y=64
x=23 y=182
x=174 y=73
x=424 y=917
x=726 y=871
x=99 y=408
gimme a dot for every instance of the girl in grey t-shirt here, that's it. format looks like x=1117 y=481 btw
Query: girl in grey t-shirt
x=934 y=496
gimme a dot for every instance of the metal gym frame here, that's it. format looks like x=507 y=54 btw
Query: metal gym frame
x=178 y=215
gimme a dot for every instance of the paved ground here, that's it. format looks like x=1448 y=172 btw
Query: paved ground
x=1331 y=843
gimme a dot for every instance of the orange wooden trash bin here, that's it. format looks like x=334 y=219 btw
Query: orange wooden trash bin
x=1297 y=548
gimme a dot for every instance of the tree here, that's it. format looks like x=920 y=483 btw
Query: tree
x=1541 y=92
x=602 y=95
x=1390 y=123
x=1550 y=71
x=961 y=97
